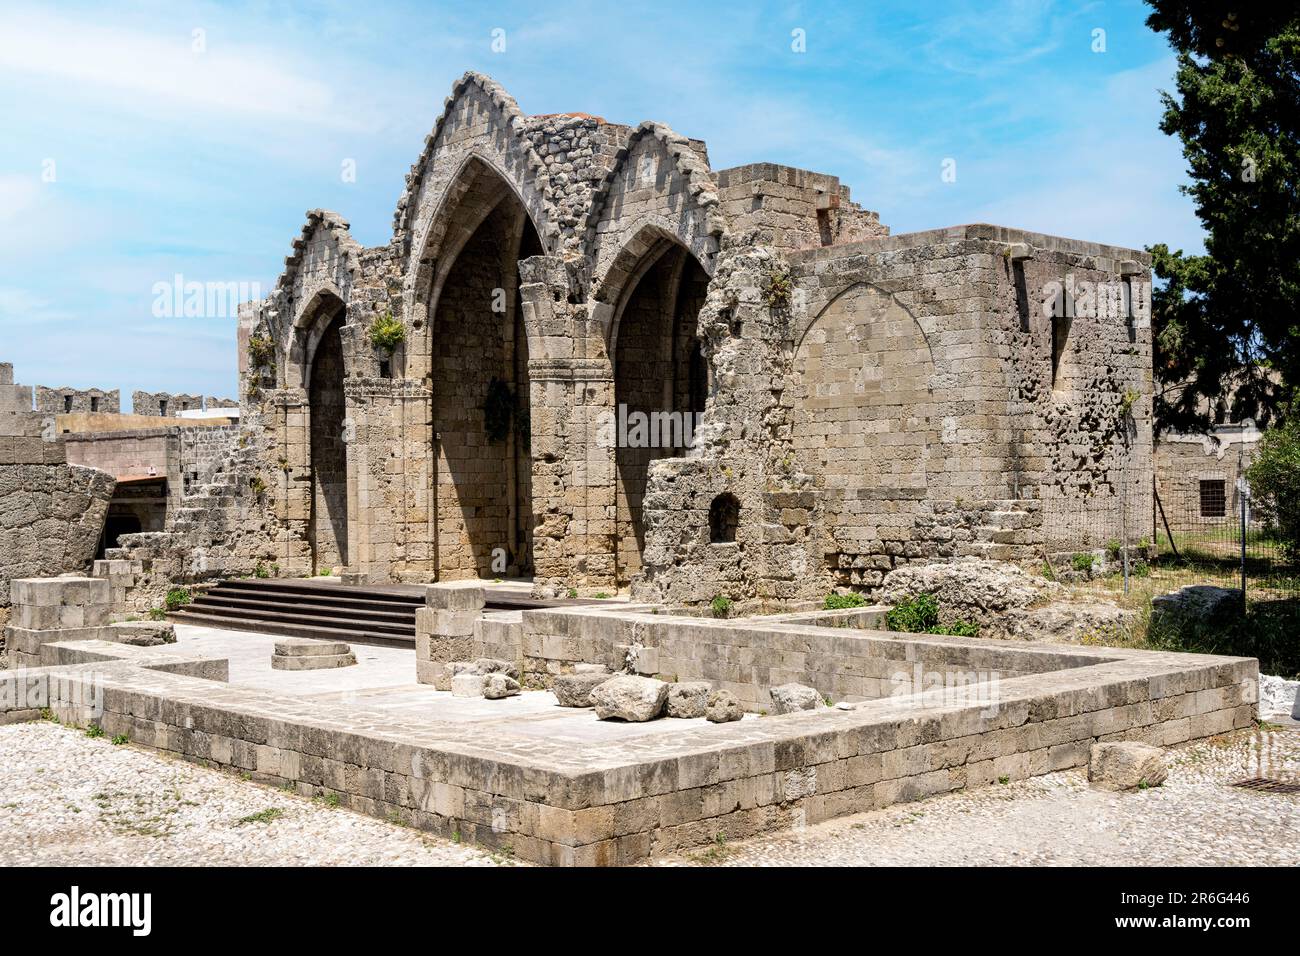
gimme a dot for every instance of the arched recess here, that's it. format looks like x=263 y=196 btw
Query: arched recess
x=318 y=339
x=866 y=423
x=660 y=374
x=465 y=288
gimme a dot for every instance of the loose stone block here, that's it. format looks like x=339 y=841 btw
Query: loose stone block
x=574 y=690
x=456 y=596
x=628 y=697
x=788 y=698
x=687 y=699
x=723 y=707
x=1126 y=765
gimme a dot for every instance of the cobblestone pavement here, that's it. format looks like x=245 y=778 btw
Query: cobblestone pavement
x=69 y=799
x=1195 y=819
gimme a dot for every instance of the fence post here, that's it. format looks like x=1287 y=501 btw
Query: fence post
x=1123 y=517
x=1241 y=496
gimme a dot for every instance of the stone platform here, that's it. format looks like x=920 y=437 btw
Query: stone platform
x=556 y=785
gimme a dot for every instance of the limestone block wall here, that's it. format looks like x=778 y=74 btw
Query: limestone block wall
x=51 y=513
x=59 y=401
x=898 y=407
x=165 y=404
x=1197 y=477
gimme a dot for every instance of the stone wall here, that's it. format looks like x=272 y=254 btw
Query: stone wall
x=1198 y=476
x=51 y=512
x=898 y=408
x=60 y=401
x=867 y=400
x=165 y=404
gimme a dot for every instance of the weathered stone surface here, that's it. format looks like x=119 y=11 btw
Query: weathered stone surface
x=490 y=665
x=141 y=633
x=1065 y=621
x=1126 y=765
x=468 y=684
x=306 y=646
x=628 y=697
x=788 y=698
x=498 y=686
x=1202 y=604
x=973 y=590
x=688 y=698
x=311 y=662
x=723 y=707
x=574 y=690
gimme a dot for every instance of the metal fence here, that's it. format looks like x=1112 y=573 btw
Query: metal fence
x=1215 y=531
x=1192 y=531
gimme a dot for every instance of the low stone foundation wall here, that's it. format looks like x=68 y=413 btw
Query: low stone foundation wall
x=616 y=802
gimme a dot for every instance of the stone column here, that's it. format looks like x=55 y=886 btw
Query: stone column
x=444 y=629
x=571 y=388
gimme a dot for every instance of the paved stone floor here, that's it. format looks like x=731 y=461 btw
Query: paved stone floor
x=69 y=799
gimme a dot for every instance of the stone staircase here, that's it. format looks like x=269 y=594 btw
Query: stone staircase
x=302 y=608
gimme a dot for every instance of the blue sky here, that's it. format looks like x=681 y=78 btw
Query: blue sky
x=167 y=159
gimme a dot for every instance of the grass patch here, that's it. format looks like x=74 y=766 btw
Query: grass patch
x=842 y=602
x=262 y=816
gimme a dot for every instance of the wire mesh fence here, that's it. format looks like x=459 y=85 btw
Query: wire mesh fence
x=1195 y=530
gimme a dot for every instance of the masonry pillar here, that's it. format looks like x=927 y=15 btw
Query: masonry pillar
x=571 y=391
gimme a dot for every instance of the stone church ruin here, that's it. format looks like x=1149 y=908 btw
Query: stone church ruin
x=861 y=400
x=591 y=391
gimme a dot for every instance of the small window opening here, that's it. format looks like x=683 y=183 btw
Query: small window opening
x=724 y=516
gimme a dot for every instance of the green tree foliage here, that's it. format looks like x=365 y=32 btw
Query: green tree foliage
x=1226 y=322
x=1274 y=478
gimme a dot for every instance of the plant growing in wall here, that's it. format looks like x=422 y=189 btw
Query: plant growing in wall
x=721 y=606
x=261 y=352
x=841 y=602
x=387 y=333
x=779 y=287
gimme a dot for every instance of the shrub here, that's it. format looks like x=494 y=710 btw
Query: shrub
x=839 y=602
x=260 y=571
x=177 y=598
x=1083 y=561
x=720 y=606
x=387 y=333
x=157 y=614
x=914 y=615
x=1113 y=549
x=920 y=615
x=1274 y=478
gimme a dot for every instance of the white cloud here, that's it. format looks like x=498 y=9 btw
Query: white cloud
x=162 y=68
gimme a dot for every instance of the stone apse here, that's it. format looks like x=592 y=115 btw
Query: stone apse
x=856 y=400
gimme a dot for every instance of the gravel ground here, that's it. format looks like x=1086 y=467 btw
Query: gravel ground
x=1195 y=819
x=69 y=799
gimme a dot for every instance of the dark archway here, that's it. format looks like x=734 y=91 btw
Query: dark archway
x=328 y=521
x=480 y=388
x=660 y=383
